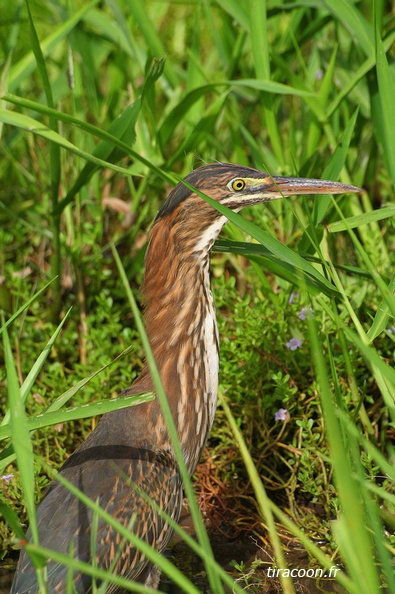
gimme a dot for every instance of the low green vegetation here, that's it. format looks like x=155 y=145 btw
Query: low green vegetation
x=101 y=104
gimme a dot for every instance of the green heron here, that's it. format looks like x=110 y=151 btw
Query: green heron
x=132 y=447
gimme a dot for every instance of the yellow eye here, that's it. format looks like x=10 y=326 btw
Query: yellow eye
x=237 y=184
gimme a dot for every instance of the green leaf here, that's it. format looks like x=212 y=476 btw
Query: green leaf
x=36 y=368
x=83 y=411
x=362 y=219
x=346 y=461
x=353 y=20
x=20 y=436
x=270 y=87
x=141 y=16
x=386 y=85
x=177 y=114
x=85 y=126
x=54 y=150
x=12 y=520
x=26 y=65
x=123 y=128
x=24 y=307
x=334 y=167
x=27 y=123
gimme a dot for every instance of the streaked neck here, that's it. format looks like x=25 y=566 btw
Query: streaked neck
x=181 y=325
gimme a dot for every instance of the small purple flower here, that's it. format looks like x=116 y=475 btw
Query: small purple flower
x=293 y=298
x=391 y=330
x=306 y=313
x=6 y=478
x=281 y=414
x=293 y=344
x=319 y=74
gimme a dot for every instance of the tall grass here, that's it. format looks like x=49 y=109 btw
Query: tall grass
x=103 y=107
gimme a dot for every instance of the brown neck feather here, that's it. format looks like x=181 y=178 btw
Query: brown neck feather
x=181 y=325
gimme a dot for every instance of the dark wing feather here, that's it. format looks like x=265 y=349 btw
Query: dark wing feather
x=110 y=475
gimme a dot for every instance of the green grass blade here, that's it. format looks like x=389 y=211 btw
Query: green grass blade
x=80 y=566
x=21 y=438
x=362 y=219
x=152 y=38
x=386 y=86
x=35 y=370
x=269 y=86
x=178 y=113
x=280 y=268
x=262 y=498
x=367 y=445
x=237 y=10
x=23 y=307
x=358 y=76
x=12 y=520
x=351 y=530
x=124 y=129
x=90 y=129
x=54 y=150
x=65 y=397
x=354 y=21
x=30 y=125
x=26 y=65
x=381 y=318
x=84 y=411
x=334 y=168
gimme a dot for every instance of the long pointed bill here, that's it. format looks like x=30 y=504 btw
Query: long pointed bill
x=290 y=186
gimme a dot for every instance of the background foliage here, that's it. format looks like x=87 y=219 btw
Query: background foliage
x=101 y=102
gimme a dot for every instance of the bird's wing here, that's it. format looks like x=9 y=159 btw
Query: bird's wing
x=114 y=476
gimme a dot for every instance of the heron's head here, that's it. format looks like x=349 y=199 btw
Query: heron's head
x=237 y=186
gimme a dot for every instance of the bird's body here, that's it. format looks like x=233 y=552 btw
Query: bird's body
x=130 y=450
